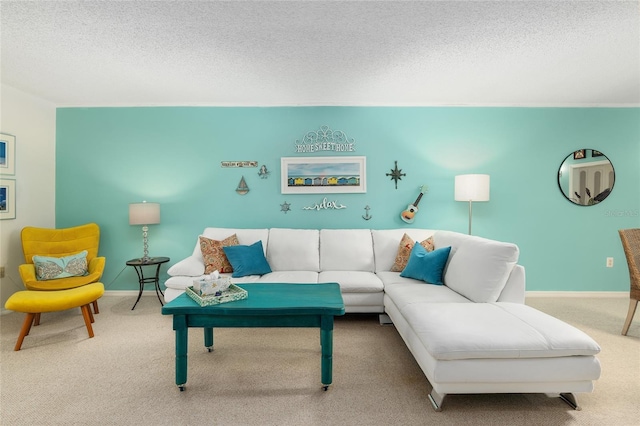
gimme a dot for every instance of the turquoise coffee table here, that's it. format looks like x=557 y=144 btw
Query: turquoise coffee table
x=268 y=305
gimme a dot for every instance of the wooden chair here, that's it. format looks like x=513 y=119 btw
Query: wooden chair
x=60 y=243
x=631 y=245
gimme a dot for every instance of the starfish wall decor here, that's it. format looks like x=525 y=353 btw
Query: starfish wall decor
x=285 y=207
x=396 y=174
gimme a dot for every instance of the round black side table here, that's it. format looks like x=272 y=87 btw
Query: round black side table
x=138 y=264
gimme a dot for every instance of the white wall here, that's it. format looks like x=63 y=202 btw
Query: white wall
x=33 y=122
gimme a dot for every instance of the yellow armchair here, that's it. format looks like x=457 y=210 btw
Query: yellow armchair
x=61 y=243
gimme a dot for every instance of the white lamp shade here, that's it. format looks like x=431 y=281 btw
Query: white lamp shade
x=472 y=188
x=144 y=213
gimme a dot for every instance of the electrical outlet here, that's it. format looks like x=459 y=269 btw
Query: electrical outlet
x=1 y=271
x=609 y=262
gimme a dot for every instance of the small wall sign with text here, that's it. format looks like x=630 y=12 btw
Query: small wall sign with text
x=325 y=139
x=326 y=205
x=238 y=164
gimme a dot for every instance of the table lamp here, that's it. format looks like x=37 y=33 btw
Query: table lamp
x=144 y=214
x=472 y=188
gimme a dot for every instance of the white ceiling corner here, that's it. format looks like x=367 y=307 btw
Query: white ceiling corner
x=228 y=53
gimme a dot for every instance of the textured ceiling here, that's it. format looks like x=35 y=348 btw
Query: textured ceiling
x=112 y=53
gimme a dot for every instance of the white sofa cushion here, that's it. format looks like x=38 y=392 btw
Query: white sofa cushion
x=298 y=277
x=494 y=330
x=190 y=266
x=387 y=241
x=293 y=249
x=346 y=250
x=478 y=268
x=408 y=293
x=182 y=282
x=353 y=281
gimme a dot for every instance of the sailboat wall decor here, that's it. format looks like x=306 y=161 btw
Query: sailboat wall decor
x=242 y=188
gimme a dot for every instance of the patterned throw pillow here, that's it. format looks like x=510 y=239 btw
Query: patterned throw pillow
x=51 y=268
x=404 y=251
x=213 y=254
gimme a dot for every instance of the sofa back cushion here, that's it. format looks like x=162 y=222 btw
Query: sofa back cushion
x=478 y=268
x=346 y=250
x=246 y=237
x=386 y=243
x=293 y=249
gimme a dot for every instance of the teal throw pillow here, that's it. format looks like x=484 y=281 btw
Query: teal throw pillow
x=247 y=260
x=426 y=265
x=51 y=268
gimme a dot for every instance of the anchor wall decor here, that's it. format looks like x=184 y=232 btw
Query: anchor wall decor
x=367 y=216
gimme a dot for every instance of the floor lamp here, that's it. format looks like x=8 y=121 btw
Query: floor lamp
x=144 y=214
x=472 y=188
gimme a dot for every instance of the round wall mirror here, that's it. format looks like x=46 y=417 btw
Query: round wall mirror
x=586 y=177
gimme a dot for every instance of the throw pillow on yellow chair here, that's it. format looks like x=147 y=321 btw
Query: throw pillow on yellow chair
x=59 y=243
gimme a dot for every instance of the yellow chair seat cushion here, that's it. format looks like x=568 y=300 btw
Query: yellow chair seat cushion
x=50 y=301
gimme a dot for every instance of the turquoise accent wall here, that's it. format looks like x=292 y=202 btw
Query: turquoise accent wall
x=107 y=158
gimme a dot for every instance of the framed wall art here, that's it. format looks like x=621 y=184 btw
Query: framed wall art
x=7 y=199
x=7 y=154
x=323 y=175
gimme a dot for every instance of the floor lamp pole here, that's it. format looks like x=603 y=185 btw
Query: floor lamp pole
x=471 y=188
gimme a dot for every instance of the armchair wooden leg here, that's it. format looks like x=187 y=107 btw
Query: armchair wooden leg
x=26 y=327
x=632 y=310
x=37 y=319
x=90 y=314
x=87 y=319
x=95 y=307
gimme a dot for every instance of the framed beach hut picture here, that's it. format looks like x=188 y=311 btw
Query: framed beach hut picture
x=323 y=175
x=7 y=199
x=7 y=154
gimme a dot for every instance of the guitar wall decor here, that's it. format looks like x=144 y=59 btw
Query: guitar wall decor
x=410 y=213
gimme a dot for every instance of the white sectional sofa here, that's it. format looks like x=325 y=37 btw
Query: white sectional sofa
x=359 y=260
x=473 y=334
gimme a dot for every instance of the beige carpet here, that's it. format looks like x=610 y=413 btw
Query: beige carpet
x=125 y=375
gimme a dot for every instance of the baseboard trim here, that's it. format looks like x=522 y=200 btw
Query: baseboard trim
x=588 y=294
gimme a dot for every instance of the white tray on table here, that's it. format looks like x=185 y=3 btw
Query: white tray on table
x=229 y=295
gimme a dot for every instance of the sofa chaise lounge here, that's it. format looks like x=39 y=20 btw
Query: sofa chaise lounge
x=469 y=331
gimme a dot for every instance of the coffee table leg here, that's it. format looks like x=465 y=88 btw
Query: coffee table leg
x=326 y=340
x=182 y=340
x=208 y=338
